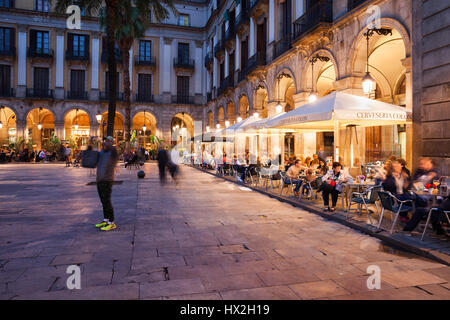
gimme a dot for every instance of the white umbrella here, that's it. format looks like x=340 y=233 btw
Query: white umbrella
x=341 y=109
x=260 y=124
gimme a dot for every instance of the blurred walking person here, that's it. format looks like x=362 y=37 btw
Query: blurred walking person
x=107 y=161
x=163 y=161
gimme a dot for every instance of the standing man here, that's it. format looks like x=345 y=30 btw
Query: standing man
x=163 y=160
x=107 y=161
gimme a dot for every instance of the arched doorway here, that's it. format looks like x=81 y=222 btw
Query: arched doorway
x=182 y=125
x=77 y=127
x=144 y=129
x=385 y=56
x=8 y=130
x=40 y=128
x=244 y=107
x=231 y=114
x=220 y=118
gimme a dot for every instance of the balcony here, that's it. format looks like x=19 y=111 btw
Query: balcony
x=7 y=92
x=39 y=93
x=117 y=53
x=182 y=99
x=45 y=53
x=352 y=4
x=144 y=97
x=184 y=63
x=282 y=45
x=230 y=34
x=75 y=56
x=242 y=19
x=319 y=14
x=104 y=96
x=145 y=61
x=209 y=60
x=257 y=4
x=8 y=52
x=219 y=48
x=76 y=95
x=242 y=74
x=255 y=61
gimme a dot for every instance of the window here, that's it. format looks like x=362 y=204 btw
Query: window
x=183 y=53
x=144 y=87
x=40 y=41
x=42 y=5
x=6 y=39
x=41 y=81
x=5 y=80
x=6 y=3
x=145 y=50
x=182 y=89
x=183 y=20
x=78 y=45
x=77 y=83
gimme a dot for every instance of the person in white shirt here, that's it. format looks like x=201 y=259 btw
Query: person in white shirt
x=334 y=182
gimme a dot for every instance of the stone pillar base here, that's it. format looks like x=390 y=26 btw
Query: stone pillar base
x=93 y=94
x=21 y=91
x=59 y=94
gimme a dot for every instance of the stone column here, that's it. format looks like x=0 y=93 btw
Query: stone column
x=271 y=21
x=227 y=57
x=95 y=62
x=131 y=71
x=22 y=62
x=59 y=130
x=166 y=70
x=237 y=55
x=300 y=99
x=59 y=83
x=407 y=63
x=198 y=72
x=252 y=38
x=350 y=85
x=299 y=8
x=21 y=126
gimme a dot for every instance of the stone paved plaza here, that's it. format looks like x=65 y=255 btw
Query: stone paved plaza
x=204 y=238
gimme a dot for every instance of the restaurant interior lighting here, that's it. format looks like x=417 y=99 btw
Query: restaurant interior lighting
x=227 y=123
x=99 y=118
x=39 y=126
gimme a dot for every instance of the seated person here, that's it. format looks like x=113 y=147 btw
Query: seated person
x=292 y=173
x=310 y=177
x=333 y=185
x=422 y=213
x=425 y=174
x=308 y=162
x=322 y=169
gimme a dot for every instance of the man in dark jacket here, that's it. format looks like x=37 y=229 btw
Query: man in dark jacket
x=107 y=161
x=163 y=160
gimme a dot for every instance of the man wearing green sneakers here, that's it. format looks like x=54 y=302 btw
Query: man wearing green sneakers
x=107 y=161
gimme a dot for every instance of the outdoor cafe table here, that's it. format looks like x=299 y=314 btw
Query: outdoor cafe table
x=355 y=185
x=432 y=198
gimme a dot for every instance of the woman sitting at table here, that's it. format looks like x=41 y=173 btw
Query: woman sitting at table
x=333 y=184
x=322 y=169
x=293 y=173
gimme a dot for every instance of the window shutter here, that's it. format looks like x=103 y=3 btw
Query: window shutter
x=70 y=43
x=33 y=39
x=87 y=45
x=13 y=38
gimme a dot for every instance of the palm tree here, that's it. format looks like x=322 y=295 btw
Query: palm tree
x=131 y=22
x=123 y=22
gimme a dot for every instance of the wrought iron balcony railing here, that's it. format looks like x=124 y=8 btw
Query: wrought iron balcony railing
x=104 y=96
x=219 y=47
x=242 y=18
x=144 y=61
x=76 y=95
x=144 y=97
x=37 y=52
x=8 y=52
x=183 y=62
x=319 y=14
x=230 y=34
x=352 y=4
x=7 y=92
x=39 y=93
x=183 y=99
x=209 y=59
x=72 y=55
x=282 y=45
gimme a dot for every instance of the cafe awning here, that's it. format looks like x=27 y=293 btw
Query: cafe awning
x=341 y=109
x=260 y=124
x=237 y=127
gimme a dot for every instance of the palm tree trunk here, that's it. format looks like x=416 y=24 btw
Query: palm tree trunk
x=111 y=7
x=127 y=91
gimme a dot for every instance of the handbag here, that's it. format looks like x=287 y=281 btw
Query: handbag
x=89 y=159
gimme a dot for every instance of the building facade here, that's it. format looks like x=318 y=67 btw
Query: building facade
x=221 y=60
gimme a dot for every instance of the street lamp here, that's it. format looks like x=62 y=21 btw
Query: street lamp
x=100 y=120
x=313 y=95
x=144 y=128
x=368 y=82
x=227 y=123
x=239 y=119
x=39 y=119
x=218 y=126
x=256 y=115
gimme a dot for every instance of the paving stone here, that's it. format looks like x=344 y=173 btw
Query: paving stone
x=359 y=284
x=285 y=277
x=318 y=289
x=171 y=288
x=267 y=293
x=196 y=296
x=232 y=282
x=126 y=291
x=411 y=278
x=71 y=259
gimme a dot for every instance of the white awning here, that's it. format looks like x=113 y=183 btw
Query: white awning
x=341 y=109
x=260 y=124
